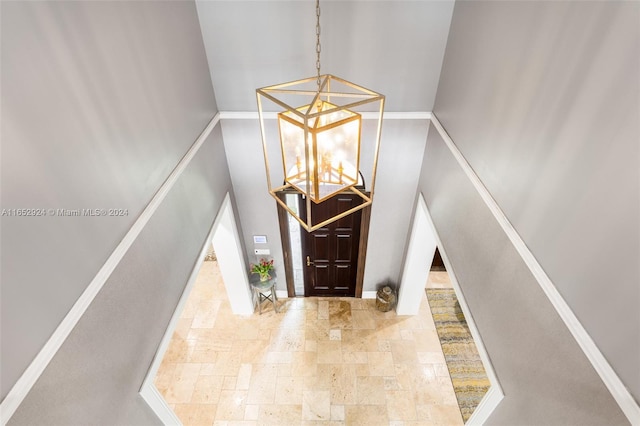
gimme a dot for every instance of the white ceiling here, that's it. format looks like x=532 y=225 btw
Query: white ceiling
x=392 y=47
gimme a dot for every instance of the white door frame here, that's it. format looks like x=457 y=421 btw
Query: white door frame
x=233 y=269
x=225 y=238
x=422 y=243
x=422 y=247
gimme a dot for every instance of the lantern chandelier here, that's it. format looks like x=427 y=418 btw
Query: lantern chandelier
x=320 y=133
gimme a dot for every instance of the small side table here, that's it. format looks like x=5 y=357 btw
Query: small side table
x=262 y=289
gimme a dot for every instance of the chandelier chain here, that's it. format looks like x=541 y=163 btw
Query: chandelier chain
x=318 y=46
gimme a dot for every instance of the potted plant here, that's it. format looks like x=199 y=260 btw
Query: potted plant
x=262 y=269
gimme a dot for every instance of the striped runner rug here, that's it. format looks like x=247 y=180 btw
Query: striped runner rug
x=470 y=381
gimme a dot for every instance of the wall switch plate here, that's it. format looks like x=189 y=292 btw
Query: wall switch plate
x=262 y=251
x=259 y=239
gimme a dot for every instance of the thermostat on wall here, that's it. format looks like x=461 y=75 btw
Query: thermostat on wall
x=259 y=239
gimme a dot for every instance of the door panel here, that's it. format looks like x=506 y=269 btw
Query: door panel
x=342 y=275
x=346 y=222
x=321 y=247
x=322 y=277
x=343 y=248
x=332 y=250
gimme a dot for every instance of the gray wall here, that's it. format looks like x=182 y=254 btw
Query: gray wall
x=401 y=150
x=399 y=165
x=545 y=376
x=393 y=47
x=100 y=102
x=542 y=100
x=257 y=211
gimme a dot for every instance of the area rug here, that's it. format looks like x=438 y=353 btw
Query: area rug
x=470 y=381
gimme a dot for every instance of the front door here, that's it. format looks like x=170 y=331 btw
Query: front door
x=330 y=254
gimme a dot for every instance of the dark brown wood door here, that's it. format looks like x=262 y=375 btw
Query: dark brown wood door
x=330 y=254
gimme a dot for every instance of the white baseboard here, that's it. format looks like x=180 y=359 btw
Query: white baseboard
x=495 y=393
x=487 y=404
x=618 y=390
x=369 y=295
x=24 y=384
x=282 y=294
x=159 y=406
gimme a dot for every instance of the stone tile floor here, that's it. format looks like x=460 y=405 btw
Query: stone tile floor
x=439 y=279
x=320 y=361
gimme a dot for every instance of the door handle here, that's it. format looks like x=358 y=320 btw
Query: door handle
x=309 y=262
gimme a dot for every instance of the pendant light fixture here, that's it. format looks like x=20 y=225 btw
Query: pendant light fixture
x=319 y=129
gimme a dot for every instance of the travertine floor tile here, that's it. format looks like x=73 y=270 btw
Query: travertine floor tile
x=360 y=340
x=229 y=382
x=380 y=363
x=337 y=412
x=316 y=405
x=304 y=364
x=179 y=349
x=319 y=361
x=195 y=414
x=244 y=377
x=438 y=279
x=311 y=346
x=289 y=390
x=358 y=415
x=335 y=334
x=164 y=378
x=404 y=352
x=280 y=415
x=426 y=340
x=362 y=319
x=207 y=389
x=444 y=415
x=323 y=310
x=203 y=356
x=288 y=340
x=343 y=384
x=183 y=383
x=183 y=328
x=275 y=357
x=349 y=357
x=340 y=314
x=226 y=364
x=435 y=357
x=251 y=412
x=400 y=405
x=329 y=352
x=231 y=405
x=370 y=391
x=262 y=389
x=317 y=329
x=427 y=396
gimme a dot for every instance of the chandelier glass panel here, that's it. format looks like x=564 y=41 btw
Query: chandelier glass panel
x=321 y=136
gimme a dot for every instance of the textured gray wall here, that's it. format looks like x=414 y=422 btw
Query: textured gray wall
x=399 y=165
x=96 y=375
x=542 y=98
x=256 y=208
x=393 y=47
x=100 y=101
x=545 y=376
